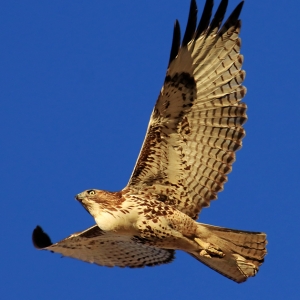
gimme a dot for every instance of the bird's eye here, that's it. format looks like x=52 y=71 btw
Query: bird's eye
x=91 y=192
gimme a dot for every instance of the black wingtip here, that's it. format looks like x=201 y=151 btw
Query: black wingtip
x=232 y=19
x=191 y=24
x=40 y=239
x=236 y=12
x=205 y=18
x=175 y=42
x=204 y=26
x=219 y=16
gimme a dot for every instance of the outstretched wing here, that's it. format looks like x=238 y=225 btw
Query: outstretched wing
x=96 y=246
x=196 y=125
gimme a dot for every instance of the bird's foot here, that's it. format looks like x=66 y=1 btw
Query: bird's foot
x=208 y=250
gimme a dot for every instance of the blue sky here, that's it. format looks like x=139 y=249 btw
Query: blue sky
x=78 y=81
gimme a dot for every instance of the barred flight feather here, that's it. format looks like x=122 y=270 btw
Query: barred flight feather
x=196 y=124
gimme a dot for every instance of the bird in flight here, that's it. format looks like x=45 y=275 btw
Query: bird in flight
x=189 y=148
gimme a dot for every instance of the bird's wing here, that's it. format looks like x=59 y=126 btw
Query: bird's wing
x=196 y=125
x=96 y=246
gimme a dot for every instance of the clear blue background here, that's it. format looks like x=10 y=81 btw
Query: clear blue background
x=78 y=81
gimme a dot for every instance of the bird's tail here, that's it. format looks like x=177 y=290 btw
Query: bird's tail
x=233 y=253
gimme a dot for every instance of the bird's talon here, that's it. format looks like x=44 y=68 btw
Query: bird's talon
x=208 y=249
x=204 y=254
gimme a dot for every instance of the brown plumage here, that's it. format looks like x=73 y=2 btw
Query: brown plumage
x=194 y=130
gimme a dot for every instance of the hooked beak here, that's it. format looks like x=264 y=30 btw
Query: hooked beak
x=79 y=197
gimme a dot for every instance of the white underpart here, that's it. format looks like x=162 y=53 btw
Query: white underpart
x=117 y=222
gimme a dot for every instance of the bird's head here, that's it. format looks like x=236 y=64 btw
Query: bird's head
x=88 y=199
x=96 y=200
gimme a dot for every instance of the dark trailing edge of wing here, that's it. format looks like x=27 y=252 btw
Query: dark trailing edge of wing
x=204 y=24
x=40 y=239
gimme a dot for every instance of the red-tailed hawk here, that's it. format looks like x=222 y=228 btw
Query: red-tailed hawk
x=194 y=130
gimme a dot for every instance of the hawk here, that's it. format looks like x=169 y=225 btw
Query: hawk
x=194 y=130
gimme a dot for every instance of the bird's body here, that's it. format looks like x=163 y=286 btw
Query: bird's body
x=160 y=225
x=149 y=219
x=194 y=130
